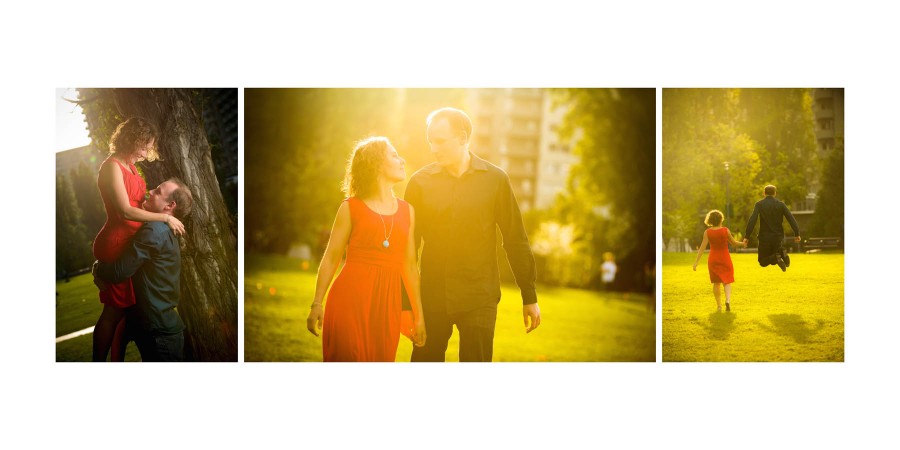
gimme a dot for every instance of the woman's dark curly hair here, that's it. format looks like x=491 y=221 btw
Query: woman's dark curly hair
x=131 y=135
x=364 y=166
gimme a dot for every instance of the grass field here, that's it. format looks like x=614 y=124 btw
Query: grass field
x=77 y=308
x=576 y=325
x=796 y=315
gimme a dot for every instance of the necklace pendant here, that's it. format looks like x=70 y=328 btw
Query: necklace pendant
x=386 y=244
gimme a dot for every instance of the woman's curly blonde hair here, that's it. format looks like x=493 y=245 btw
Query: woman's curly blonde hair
x=133 y=134
x=364 y=165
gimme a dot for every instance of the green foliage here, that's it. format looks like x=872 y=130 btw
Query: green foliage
x=765 y=135
x=73 y=247
x=829 y=219
x=610 y=197
x=576 y=325
x=797 y=315
x=84 y=183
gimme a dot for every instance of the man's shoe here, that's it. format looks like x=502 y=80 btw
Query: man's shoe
x=728 y=307
x=786 y=258
x=780 y=263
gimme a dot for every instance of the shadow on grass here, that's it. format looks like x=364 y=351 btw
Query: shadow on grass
x=720 y=325
x=792 y=326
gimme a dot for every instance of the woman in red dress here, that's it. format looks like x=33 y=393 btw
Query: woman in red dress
x=721 y=271
x=122 y=189
x=364 y=319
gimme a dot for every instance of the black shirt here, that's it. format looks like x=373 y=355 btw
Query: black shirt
x=457 y=218
x=770 y=212
x=153 y=262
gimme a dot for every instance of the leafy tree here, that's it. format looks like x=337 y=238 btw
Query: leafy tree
x=73 y=248
x=829 y=218
x=611 y=192
x=84 y=183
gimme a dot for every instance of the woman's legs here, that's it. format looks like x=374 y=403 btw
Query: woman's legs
x=728 y=297
x=718 y=294
x=105 y=331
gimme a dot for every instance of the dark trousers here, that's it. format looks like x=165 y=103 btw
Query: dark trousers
x=768 y=251
x=159 y=347
x=476 y=335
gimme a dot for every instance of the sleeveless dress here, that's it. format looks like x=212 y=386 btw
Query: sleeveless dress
x=363 y=310
x=117 y=232
x=719 y=262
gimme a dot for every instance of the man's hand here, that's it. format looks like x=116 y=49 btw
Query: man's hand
x=532 y=311
x=797 y=238
x=746 y=242
x=97 y=282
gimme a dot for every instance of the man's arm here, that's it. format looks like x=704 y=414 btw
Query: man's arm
x=791 y=221
x=515 y=241
x=135 y=255
x=751 y=224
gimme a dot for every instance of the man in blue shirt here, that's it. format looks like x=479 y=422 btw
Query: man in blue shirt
x=153 y=262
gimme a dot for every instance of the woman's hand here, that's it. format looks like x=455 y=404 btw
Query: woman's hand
x=314 y=320
x=176 y=225
x=419 y=333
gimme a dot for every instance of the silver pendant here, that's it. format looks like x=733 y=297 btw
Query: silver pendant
x=386 y=244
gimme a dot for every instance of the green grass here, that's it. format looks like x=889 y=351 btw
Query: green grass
x=576 y=325
x=796 y=315
x=78 y=307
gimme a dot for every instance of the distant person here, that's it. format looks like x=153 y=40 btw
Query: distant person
x=608 y=271
x=771 y=234
x=362 y=319
x=153 y=261
x=461 y=200
x=721 y=270
x=122 y=188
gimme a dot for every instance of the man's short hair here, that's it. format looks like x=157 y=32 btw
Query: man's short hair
x=459 y=121
x=183 y=199
x=770 y=190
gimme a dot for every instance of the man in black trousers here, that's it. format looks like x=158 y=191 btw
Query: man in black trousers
x=460 y=202
x=771 y=234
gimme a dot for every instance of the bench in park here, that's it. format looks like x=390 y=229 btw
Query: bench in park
x=821 y=243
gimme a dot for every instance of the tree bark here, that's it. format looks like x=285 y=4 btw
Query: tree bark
x=208 y=303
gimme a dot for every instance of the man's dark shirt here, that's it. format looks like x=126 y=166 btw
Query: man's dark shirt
x=770 y=212
x=458 y=219
x=153 y=262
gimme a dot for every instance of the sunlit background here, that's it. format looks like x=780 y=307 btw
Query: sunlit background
x=721 y=147
x=71 y=131
x=581 y=163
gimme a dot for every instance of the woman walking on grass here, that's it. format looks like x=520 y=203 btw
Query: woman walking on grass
x=721 y=270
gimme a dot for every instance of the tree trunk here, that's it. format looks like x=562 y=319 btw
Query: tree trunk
x=208 y=302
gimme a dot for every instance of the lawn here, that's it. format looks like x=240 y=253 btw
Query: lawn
x=796 y=315
x=576 y=325
x=77 y=308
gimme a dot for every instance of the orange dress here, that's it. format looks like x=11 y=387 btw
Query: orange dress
x=719 y=262
x=362 y=313
x=117 y=232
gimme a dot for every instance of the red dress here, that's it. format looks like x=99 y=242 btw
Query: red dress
x=719 y=262
x=362 y=313
x=117 y=232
